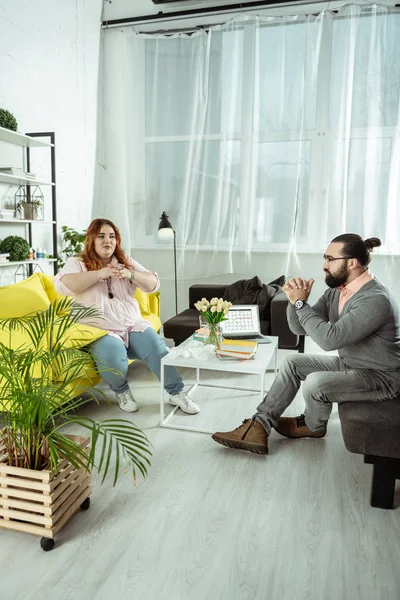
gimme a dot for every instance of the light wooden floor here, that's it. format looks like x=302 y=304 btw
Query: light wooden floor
x=211 y=523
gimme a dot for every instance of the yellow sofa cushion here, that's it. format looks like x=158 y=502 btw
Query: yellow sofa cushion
x=149 y=305
x=23 y=298
x=47 y=282
x=143 y=300
x=78 y=335
x=154 y=320
x=154 y=304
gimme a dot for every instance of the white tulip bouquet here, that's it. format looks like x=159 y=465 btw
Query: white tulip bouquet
x=215 y=310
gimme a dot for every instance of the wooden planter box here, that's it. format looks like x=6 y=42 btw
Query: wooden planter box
x=41 y=502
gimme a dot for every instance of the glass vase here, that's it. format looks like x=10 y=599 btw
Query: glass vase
x=214 y=334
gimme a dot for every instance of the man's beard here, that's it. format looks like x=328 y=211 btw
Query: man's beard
x=334 y=281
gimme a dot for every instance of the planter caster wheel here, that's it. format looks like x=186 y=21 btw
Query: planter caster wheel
x=85 y=504
x=47 y=544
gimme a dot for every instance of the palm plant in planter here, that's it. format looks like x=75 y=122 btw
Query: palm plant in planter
x=45 y=473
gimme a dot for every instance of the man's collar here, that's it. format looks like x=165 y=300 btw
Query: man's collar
x=358 y=282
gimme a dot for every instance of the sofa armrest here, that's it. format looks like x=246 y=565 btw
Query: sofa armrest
x=279 y=324
x=205 y=290
x=154 y=303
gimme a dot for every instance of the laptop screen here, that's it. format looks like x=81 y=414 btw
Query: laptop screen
x=242 y=319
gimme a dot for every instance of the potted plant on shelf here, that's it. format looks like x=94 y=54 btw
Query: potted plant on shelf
x=31 y=210
x=44 y=472
x=16 y=246
x=7 y=120
x=29 y=203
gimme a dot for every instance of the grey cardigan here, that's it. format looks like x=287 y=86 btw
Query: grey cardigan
x=366 y=333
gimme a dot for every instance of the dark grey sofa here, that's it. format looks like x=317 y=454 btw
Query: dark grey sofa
x=373 y=429
x=180 y=327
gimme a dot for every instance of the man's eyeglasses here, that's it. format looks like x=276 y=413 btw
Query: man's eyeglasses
x=330 y=259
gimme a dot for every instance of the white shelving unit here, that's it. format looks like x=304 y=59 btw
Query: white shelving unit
x=20 y=139
x=7 y=263
x=27 y=143
x=15 y=180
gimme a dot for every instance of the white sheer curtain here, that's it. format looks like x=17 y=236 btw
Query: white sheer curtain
x=262 y=139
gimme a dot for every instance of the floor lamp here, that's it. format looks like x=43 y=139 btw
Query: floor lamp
x=166 y=232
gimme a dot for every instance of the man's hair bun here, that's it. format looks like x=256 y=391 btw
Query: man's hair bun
x=372 y=243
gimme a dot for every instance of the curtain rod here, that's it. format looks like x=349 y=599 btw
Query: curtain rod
x=180 y=14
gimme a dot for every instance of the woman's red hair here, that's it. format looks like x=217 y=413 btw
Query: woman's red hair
x=89 y=256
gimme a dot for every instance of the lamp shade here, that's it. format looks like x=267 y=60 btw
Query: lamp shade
x=165 y=229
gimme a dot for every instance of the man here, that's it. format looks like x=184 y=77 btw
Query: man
x=357 y=316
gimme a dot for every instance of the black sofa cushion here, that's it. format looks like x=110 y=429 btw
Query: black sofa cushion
x=253 y=291
x=182 y=326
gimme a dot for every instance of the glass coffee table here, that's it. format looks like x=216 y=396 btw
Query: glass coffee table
x=266 y=357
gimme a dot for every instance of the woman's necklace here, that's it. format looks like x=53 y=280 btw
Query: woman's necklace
x=109 y=288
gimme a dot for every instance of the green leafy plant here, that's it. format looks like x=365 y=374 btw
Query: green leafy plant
x=16 y=246
x=72 y=243
x=35 y=398
x=33 y=202
x=8 y=120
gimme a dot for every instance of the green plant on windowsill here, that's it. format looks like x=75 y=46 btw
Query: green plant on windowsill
x=72 y=244
x=35 y=398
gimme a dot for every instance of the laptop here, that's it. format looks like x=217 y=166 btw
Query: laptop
x=243 y=324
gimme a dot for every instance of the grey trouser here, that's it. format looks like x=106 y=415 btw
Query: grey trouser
x=325 y=381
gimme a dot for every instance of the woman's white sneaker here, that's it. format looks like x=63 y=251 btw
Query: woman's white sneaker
x=127 y=402
x=184 y=402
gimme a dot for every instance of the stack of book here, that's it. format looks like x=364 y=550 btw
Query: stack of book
x=200 y=335
x=237 y=349
x=4 y=257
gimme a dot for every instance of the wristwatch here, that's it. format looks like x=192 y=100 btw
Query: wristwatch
x=132 y=277
x=300 y=304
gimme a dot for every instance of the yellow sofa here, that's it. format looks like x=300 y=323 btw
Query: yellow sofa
x=37 y=292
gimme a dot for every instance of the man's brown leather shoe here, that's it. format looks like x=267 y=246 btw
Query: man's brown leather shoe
x=250 y=436
x=295 y=427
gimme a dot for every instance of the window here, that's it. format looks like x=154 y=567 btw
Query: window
x=265 y=129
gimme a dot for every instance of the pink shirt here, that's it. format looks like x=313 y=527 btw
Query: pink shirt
x=347 y=291
x=121 y=314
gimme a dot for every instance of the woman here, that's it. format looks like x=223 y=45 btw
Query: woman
x=104 y=277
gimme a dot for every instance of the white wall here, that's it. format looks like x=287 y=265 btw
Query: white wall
x=49 y=72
